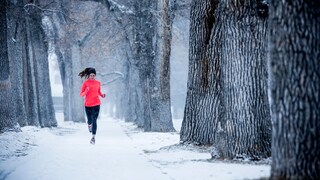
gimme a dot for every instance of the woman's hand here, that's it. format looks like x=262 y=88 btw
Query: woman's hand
x=103 y=95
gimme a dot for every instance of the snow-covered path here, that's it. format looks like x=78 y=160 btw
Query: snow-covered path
x=71 y=156
x=121 y=152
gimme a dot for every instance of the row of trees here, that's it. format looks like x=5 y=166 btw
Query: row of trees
x=146 y=30
x=240 y=50
x=55 y=25
x=253 y=87
x=227 y=103
x=25 y=95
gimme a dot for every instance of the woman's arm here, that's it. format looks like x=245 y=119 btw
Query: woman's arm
x=84 y=90
x=100 y=93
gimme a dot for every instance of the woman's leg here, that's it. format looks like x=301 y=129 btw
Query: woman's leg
x=95 y=114
x=89 y=115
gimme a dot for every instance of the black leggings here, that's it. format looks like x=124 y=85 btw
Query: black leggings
x=92 y=116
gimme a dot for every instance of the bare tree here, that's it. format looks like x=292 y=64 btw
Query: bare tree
x=294 y=88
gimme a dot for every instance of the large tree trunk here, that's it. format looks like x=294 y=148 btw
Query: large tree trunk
x=200 y=118
x=152 y=54
x=4 y=63
x=227 y=101
x=38 y=53
x=8 y=119
x=246 y=122
x=159 y=83
x=144 y=55
x=294 y=88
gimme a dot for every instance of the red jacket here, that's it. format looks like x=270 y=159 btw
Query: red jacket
x=91 y=90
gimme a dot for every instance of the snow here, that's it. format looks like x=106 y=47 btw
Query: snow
x=122 y=151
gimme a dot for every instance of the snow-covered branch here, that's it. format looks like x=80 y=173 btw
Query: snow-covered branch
x=40 y=8
x=119 y=74
x=111 y=81
x=113 y=73
x=25 y=7
x=121 y=8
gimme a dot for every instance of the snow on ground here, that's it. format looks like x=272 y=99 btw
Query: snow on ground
x=121 y=152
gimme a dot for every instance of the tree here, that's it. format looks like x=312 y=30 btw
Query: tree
x=39 y=70
x=158 y=81
x=294 y=88
x=7 y=111
x=69 y=59
x=227 y=102
x=24 y=48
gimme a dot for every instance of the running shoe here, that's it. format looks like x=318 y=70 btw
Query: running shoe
x=92 y=141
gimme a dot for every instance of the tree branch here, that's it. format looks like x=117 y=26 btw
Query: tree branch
x=112 y=73
x=25 y=7
x=38 y=7
x=111 y=81
x=121 y=8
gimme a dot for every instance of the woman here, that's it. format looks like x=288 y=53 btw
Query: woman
x=91 y=90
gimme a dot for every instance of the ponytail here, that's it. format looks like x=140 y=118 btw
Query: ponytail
x=86 y=72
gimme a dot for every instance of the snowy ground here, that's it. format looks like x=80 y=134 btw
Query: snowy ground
x=121 y=152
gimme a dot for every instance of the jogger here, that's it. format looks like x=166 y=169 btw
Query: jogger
x=91 y=90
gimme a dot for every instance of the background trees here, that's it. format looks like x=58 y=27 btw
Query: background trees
x=126 y=43
x=294 y=89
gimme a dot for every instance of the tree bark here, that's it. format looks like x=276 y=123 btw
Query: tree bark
x=200 y=118
x=246 y=124
x=227 y=102
x=7 y=110
x=294 y=89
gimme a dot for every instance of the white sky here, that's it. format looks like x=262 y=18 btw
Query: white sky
x=121 y=152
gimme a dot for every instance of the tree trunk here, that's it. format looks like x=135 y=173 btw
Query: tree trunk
x=152 y=54
x=246 y=125
x=200 y=118
x=294 y=88
x=144 y=57
x=7 y=111
x=77 y=107
x=159 y=82
x=38 y=53
x=227 y=101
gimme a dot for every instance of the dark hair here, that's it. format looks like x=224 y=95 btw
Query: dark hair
x=87 y=71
